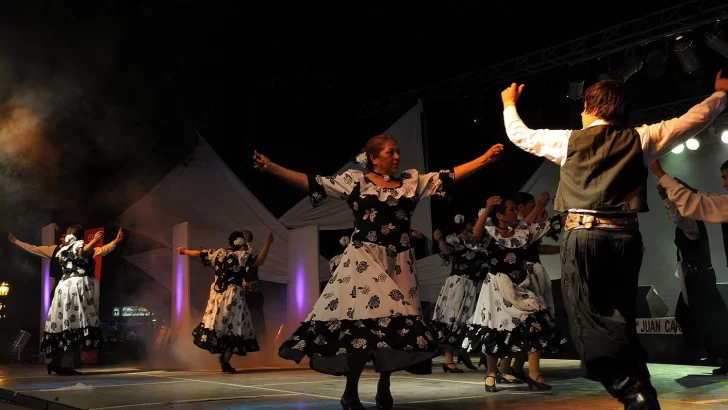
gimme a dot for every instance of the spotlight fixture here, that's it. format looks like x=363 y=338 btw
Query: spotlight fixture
x=714 y=40
x=655 y=57
x=680 y=148
x=724 y=137
x=577 y=76
x=685 y=51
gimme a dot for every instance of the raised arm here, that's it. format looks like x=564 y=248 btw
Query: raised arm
x=467 y=169
x=550 y=144
x=536 y=213
x=106 y=249
x=479 y=231
x=294 y=178
x=694 y=205
x=264 y=252
x=45 y=252
x=88 y=248
x=441 y=244
x=688 y=226
x=658 y=139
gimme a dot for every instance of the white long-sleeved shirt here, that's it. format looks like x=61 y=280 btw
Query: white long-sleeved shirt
x=657 y=139
x=700 y=206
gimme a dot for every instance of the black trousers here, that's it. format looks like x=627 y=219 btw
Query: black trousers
x=599 y=277
x=704 y=320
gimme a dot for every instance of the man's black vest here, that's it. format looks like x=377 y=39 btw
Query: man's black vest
x=694 y=252
x=604 y=171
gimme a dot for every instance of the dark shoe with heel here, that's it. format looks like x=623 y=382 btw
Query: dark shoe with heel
x=351 y=404
x=493 y=388
x=446 y=368
x=534 y=384
x=467 y=361
x=384 y=399
x=503 y=379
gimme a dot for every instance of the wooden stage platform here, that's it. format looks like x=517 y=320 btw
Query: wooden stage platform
x=29 y=386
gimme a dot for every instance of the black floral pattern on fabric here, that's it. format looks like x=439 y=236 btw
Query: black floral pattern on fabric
x=72 y=264
x=398 y=335
x=538 y=332
x=229 y=266
x=214 y=341
x=449 y=334
x=88 y=338
x=467 y=258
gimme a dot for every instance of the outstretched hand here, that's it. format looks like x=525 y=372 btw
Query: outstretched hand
x=494 y=200
x=437 y=235
x=182 y=251
x=721 y=83
x=511 y=94
x=261 y=162
x=11 y=237
x=119 y=236
x=494 y=153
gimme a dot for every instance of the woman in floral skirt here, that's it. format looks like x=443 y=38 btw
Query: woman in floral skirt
x=370 y=308
x=227 y=326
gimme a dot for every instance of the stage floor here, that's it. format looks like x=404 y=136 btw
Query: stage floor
x=29 y=386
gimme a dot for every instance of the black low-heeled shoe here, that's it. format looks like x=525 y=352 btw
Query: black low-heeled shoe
x=467 y=361
x=69 y=371
x=228 y=369
x=502 y=379
x=519 y=375
x=446 y=368
x=351 y=405
x=537 y=385
x=493 y=388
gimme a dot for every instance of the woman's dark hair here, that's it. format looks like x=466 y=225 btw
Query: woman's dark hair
x=498 y=209
x=610 y=101
x=234 y=236
x=75 y=230
x=522 y=198
x=374 y=146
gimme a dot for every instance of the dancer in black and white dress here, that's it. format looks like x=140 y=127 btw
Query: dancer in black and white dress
x=509 y=318
x=456 y=303
x=227 y=326
x=73 y=321
x=370 y=309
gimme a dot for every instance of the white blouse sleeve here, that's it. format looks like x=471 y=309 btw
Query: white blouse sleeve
x=338 y=186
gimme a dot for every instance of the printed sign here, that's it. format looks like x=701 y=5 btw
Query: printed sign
x=658 y=326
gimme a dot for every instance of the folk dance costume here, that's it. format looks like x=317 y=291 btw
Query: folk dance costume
x=602 y=187
x=73 y=320
x=458 y=296
x=539 y=276
x=509 y=317
x=701 y=310
x=371 y=304
x=227 y=323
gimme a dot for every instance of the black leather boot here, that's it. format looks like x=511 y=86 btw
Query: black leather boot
x=635 y=395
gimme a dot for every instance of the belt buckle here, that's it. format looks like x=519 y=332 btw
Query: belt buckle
x=587 y=221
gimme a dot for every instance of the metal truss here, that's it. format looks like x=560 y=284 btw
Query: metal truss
x=687 y=16
x=657 y=113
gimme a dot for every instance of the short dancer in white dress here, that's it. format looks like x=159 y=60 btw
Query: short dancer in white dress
x=73 y=321
x=227 y=325
x=370 y=309
x=456 y=302
x=509 y=318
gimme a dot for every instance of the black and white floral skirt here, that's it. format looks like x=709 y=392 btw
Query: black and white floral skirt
x=501 y=329
x=454 y=307
x=370 y=306
x=227 y=324
x=73 y=320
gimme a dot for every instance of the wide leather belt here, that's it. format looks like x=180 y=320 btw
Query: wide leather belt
x=590 y=221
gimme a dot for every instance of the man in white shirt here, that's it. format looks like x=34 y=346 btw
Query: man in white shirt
x=602 y=188
x=700 y=206
x=701 y=310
